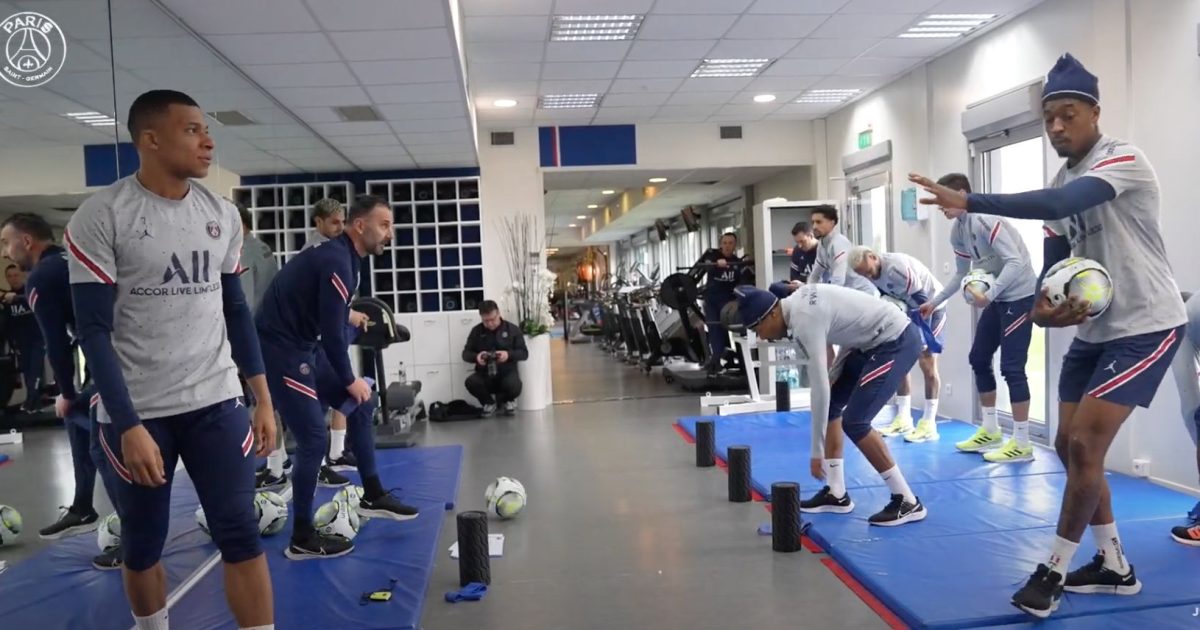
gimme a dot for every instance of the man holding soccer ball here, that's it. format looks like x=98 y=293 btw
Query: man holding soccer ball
x=1103 y=205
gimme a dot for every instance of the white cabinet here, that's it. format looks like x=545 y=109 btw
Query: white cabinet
x=400 y=353
x=436 y=382
x=460 y=325
x=430 y=340
x=461 y=371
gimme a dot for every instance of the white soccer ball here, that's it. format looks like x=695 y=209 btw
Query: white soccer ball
x=979 y=281
x=10 y=525
x=897 y=302
x=202 y=521
x=1083 y=278
x=108 y=535
x=337 y=518
x=505 y=497
x=350 y=495
x=272 y=513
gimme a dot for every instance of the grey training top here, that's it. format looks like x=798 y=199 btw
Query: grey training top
x=833 y=265
x=992 y=244
x=904 y=277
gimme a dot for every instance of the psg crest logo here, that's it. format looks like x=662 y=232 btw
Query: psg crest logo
x=214 y=229
x=35 y=49
x=304 y=369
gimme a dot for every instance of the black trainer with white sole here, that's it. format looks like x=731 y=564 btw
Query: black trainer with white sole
x=327 y=478
x=824 y=502
x=109 y=560
x=386 y=506
x=898 y=512
x=318 y=546
x=264 y=480
x=344 y=463
x=70 y=523
x=1041 y=594
x=1094 y=577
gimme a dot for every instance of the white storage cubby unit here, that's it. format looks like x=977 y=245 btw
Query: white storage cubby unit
x=435 y=261
x=776 y=218
x=282 y=213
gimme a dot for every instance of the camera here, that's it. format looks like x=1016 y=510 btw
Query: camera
x=489 y=359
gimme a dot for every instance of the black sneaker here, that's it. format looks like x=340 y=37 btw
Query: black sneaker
x=345 y=462
x=326 y=478
x=825 y=502
x=386 y=506
x=287 y=465
x=1094 y=577
x=264 y=480
x=898 y=512
x=1186 y=535
x=1041 y=594
x=109 y=560
x=318 y=547
x=70 y=523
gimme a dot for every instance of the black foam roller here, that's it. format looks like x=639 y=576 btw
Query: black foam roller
x=785 y=516
x=706 y=444
x=738 y=459
x=783 y=395
x=474 y=565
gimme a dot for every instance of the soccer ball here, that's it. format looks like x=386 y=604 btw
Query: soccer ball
x=272 y=513
x=897 y=302
x=350 y=495
x=505 y=497
x=979 y=281
x=108 y=535
x=10 y=525
x=202 y=521
x=1083 y=278
x=337 y=518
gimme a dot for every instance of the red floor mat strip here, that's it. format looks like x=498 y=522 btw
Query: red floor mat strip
x=683 y=433
x=874 y=604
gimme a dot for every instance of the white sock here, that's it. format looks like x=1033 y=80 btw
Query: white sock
x=931 y=406
x=1061 y=555
x=904 y=407
x=1109 y=544
x=1021 y=433
x=897 y=484
x=156 y=621
x=275 y=462
x=337 y=443
x=835 y=476
x=991 y=423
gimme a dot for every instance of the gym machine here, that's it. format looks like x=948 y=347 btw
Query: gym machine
x=681 y=291
x=400 y=404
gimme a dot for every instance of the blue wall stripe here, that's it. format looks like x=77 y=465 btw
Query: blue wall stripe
x=104 y=164
x=547 y=146
x=597 y=145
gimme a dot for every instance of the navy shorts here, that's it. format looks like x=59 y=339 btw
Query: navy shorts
x=937 y=324
x=1125 y=371
x=868 y=380
x=216 y=444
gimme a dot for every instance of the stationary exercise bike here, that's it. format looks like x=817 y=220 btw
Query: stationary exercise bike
x=400 y=404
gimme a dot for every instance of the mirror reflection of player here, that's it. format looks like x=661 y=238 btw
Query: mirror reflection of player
x=803 y=256
x=725 y=270
x=24 y=337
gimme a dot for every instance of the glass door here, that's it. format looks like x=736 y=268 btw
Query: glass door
x=866 y=221
x=1012 y=163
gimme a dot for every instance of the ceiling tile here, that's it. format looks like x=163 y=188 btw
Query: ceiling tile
x=373 y=14
x=267 y=48
x=676 y=111
x=999 y=7
x=627 y=113
x=564 y=115
x=781 y=96
x=586 y=51
x=685 y=26
x=701 y=7
x=376 y=152
x=657 y=69
x=748 y=117
x=701 y=98
x=402 y=127
x=635 y=99
x=580 y=70
x=423 y=110
x=410 y=71
x=803 y=67
x=495 y=52
x=185 y=52
x=866 y=84
x=415 y=92
x=691 y=49
x=506 y=7
x=309 y=96
x=507 y=29
x=352 y=128
x=225 y=17
x=377 y=140
x=749 y=111
x=304 y=154
x=730 y=84
x=593 y=86
x=278 y=144
x=877 y=66
x=778 y=85
x=219 y=99
x=613 y=7
x=796 y=6
x=269 y=116
x=505 y=71
x=807 y=109
x=421 y=43
x=317 y=114
x=888 y=6
x=634 y=86
x=775 y=26
x=419 y=138
x=381 y=164
x=842 y=48
x=301 y=74
x=752 y=48
x=912 y=48
x=873 y=25
x=274 y=131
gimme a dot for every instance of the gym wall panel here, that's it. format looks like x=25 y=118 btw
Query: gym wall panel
x=600 y=145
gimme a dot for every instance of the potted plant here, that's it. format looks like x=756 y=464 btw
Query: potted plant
x=528 y=298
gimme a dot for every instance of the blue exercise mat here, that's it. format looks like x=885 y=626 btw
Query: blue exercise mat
x=3 y=458
x=780 y=442
x=1166 y=618
x=59 y=588
x=325 y=593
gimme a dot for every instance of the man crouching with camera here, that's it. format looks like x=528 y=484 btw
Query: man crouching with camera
x=495 y=346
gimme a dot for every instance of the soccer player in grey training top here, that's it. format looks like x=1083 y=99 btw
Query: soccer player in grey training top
x=1103 y=205
x=164 y=324
x=833 y=254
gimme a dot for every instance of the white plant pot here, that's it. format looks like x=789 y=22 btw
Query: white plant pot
x=536 y=388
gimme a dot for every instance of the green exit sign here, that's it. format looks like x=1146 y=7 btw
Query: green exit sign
x=864 y=139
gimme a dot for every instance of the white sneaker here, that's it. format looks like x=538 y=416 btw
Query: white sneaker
x=899 y=426
x=489 y=410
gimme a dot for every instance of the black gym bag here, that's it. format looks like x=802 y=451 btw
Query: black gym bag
x=454 y=411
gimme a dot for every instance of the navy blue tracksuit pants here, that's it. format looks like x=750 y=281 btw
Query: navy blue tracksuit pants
x=1008 y=327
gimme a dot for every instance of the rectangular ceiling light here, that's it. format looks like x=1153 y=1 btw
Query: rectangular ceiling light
x=594 y=28
x=723 y=68
x=94 y=119
x=947 y=25
x=827 y=96
x=568 y=101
